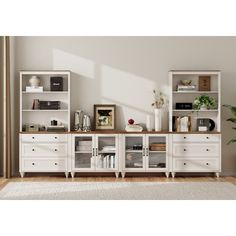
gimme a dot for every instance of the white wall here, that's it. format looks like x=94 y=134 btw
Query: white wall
x=125 y=70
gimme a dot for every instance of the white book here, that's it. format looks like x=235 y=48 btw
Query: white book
x=30 y=89
x=111 y=161
x=104 y=162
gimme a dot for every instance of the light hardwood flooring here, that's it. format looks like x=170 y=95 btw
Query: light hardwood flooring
x=232 y=180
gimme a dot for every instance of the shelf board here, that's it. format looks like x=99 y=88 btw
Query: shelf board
x=85 y=152
x=46 y=92
x=177 y=110
x=194 y=92
x=138 y=151
x=157 y=151
x=30 y=110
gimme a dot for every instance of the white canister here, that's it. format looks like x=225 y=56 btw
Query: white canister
x=158 y=119
x=148 y=123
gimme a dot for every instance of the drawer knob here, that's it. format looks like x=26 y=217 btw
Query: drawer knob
x=207 y=164
x=185 y=137
x=55 y=137
x=185 y=149
x=55 y=150
x=207 y=137
x=207 y=150
x=55 y=164
x=185 y=164
x=33 y=138
x=33 y=149
x=33 y=164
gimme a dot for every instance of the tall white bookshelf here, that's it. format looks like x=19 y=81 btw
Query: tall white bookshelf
x=44 y=117
x=175 y=76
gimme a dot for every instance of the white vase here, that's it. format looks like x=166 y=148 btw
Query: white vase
x=148 y=123
x=158 y=118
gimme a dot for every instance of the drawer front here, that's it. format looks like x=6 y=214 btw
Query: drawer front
x=44 y=138
x=185 y=138
x=196 y=150
x=188 y=165
x=43 y=165
x=44 y=150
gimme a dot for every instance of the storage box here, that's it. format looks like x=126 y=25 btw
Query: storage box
x=56 y=83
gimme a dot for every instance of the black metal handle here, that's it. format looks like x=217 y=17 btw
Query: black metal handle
x=56 y=163
x=55 y=137
x=56 y=150
x=185 y=137
x=33 y=149
x=207 y=150
x=207 y=137
x=207 y=164
x=33 y=137
x=185 y=149
x=185 y=164
x=33 y=164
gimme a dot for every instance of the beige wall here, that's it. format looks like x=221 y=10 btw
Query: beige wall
x=124 y=70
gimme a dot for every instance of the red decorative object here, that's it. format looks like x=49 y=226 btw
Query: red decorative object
x=131 y=121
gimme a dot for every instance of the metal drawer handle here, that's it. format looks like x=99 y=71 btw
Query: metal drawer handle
x=207 y=137
x=185 y=164
x=56 y=163
x=185 y=137
x=33 y=164
x=185 y=149
x=33 y=149
x=55 y=150
x=55 y=137
x=207 y=150
x=207 y=164
x=33 y=138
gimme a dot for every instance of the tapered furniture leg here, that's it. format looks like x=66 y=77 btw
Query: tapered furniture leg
x=217 y=174
x=66 y=174
x=173 y=174
x=123 y=174
x=22 y=174
x=167 y=174
x=117 y=174
x=72 y=174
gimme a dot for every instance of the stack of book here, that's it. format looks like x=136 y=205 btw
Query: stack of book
x=157 y=147
x=183 y=88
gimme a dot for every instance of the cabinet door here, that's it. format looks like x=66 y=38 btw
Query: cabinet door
x=106 y=151
x=156 y=152
x=83 y=152
x=134 y=152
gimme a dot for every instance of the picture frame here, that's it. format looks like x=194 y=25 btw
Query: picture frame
x=104 y=117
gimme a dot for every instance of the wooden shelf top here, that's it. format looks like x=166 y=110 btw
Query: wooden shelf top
x=121 y=132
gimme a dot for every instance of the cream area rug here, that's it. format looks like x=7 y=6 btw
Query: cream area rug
x=118 y=191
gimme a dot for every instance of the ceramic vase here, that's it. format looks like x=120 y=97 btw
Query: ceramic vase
x=34 y=81
x=148 y=123
x=158 y=118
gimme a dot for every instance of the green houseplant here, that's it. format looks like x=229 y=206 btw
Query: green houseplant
x=204 y=102
x=232 y=119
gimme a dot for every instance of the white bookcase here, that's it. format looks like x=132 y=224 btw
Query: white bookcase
x=44 y=117
x=195 y=151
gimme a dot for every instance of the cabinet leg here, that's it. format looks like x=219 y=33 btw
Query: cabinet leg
x=173 y=174
x=22 y=174
x=217 y=174
x=117 y=174
x=123 y=174
x=167 y=174
x=72 y=174
x=66 y=174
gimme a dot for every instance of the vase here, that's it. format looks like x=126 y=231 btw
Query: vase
x=203 y=108
x=158 y=118
x=34 y=81
x=148 y=123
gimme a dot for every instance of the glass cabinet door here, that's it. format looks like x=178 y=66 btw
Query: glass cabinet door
x=134 y=152
x=106 y=152
x=83 y=152
x=156 y=152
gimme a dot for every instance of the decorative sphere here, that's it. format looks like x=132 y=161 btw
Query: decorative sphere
x=34 y=81
x=131 y=121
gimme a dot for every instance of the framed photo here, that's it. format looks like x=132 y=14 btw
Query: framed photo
x=104 y=117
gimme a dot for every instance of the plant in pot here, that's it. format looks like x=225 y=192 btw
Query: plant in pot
x=232 y=120
x=159 y=103
x=204 y=102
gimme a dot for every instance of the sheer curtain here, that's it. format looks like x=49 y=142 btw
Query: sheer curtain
x=5 y=108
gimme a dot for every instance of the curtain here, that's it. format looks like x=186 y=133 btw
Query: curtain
x=5 y=107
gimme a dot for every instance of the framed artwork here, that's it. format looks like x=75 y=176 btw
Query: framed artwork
x=104 y=117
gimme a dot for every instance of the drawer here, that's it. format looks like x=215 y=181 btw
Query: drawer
x=185 y=138
x=195 y=150
x=44 y=138
x=42 y=150
x=188 y=165
x=43 y=165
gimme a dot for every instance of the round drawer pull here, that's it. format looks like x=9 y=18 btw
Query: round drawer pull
x=55 y=137
x=33 y=149
x=207 y=137
x=185 y=164
x=207 y=164
x=55 y=150
x=33 y=164
x=185 y=149
x=33 y=137
x=207 y=150
x=56 y=163
x=185 y=137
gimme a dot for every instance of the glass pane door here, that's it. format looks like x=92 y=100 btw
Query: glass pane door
x=134 y=152
x=156 y=152
x=107 y=152
x=83 y=152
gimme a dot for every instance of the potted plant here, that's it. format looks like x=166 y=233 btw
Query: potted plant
x=158 y=104
x=232 y=119
x=204 y=102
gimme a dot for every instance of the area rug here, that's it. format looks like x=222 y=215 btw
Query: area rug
x=118 y=191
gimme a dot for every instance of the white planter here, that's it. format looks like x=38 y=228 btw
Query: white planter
x=148 y=123
x=158 y=119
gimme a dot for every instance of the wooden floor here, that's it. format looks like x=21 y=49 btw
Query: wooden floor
x=232 y=180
